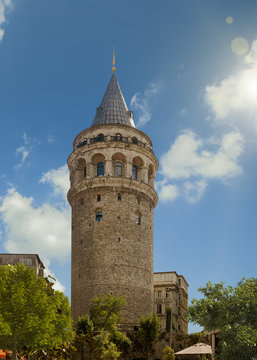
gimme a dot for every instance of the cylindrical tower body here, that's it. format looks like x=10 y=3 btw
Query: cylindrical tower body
x=112 y=171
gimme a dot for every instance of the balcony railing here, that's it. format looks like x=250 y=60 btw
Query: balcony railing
x=117 y=138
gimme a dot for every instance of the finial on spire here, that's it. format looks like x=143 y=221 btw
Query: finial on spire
x=113 y=61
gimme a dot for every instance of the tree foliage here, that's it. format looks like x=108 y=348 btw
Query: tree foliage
x=168 y=353
x=31 y=316
x=234 y=312
x=149 y=330
x=98 y=336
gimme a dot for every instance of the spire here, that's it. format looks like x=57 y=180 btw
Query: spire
x=113 y=108
x=113 y=61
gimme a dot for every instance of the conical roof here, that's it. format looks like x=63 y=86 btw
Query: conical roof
x=113 y=108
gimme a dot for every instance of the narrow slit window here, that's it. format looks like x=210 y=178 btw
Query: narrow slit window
x=119 y=197
x=85 y=172
x=98 y=197
x=138 y=219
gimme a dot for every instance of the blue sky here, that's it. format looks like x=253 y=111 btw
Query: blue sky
x=188 y=70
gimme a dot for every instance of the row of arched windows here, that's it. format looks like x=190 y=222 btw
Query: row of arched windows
x=117 y=170
x=119 y=167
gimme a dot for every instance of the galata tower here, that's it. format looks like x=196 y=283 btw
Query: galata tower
x=112 y=172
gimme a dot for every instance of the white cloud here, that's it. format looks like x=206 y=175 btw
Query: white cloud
x=25 y=149
x=44 y=230
x=59 y=179
x=4 y=6
x=192 y=162
x=141 y=103
x=168 y=192
x=234 y=98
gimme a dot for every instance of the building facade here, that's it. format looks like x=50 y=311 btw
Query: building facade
x=112 y=172
x=32 y=261
x=170 y=292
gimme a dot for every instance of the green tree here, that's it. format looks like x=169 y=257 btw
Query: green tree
x=234 y=312
x=168 y=353
x=149 y=330
x=97 y=333
x=106 y=310
x=31 y=316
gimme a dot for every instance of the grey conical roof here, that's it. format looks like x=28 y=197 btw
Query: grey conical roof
x=113 y=108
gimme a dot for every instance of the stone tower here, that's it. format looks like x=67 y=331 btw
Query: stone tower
x=112 y=196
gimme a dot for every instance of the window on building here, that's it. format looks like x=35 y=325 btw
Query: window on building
x=138 y=219
x=118 y=169
x=119 y=197
x=98 y=197
x=100 y=169
x=138 y=200
x=159 y=294
x=118 y=137
x=85 y=171
x=167 y=294
x=134 y=172
x=179 y=327
x=81 y=201
x=179 y=282
x=159 y=308
x=100 y=138
x=26 y=261
x=134 y=140
x=179 y=298
x=99 y=215
x=1 y=261
x=179 y=311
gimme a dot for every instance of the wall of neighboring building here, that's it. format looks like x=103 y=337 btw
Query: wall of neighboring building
x=30 y=260
x=170 y=291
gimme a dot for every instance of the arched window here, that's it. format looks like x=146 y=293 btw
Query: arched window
x=134 y=172
x=85 y=171
x=100 y=169
x=100 y=138
x=99 y=215
x=118 y=137
x=118 y=169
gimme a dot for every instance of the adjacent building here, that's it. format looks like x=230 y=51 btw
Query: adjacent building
x=170 y=300
x=30 y=260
